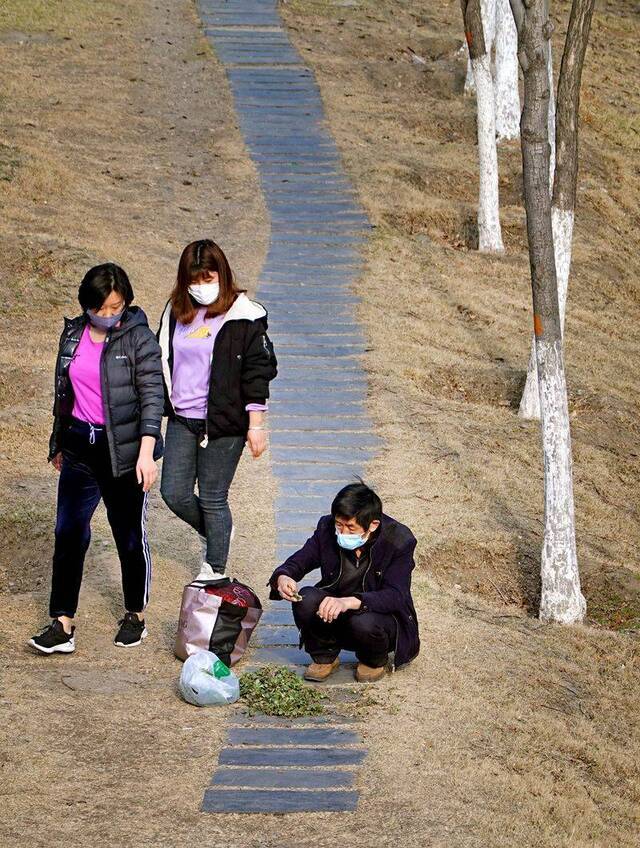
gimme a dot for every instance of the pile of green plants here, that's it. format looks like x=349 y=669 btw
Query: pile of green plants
x=279 y=692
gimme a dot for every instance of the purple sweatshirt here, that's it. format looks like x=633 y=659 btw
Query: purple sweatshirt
x=84 y=373
x=192 y=351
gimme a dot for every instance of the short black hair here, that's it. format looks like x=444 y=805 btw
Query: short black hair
x=358 y=501
x=98 y=283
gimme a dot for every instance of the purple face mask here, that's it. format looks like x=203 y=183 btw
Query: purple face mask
x=101 y=323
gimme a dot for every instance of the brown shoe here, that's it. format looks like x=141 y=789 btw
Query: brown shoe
x=320 y=671
x=366 y=674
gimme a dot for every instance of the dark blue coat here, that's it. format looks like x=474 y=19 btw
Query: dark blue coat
x=387 y=581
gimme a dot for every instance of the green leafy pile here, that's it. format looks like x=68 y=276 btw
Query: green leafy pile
x=279 y=692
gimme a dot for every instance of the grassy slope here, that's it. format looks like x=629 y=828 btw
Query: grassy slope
x=450 y=329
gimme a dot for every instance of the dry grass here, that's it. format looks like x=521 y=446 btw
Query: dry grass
x=504 y=732
x=58 y=16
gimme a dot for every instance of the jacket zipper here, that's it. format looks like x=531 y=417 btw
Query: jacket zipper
x=395 y=648
x=205 y=439
x=106 y=403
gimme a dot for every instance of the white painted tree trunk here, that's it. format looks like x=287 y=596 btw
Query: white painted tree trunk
x=506 y=91
x=469 y=82
x=562 y=225
x=561 y=599
x=552 y=118
x=489 y=232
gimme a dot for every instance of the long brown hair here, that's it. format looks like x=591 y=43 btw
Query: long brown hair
x=198 y=260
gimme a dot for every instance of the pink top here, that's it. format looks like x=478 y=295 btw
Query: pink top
x=192 y=350
x=84 y=373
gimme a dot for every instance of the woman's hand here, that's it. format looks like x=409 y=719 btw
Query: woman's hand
x=257 y=441
x=331 y=608
x=287 y=587
x=146 y=468
x=57 y=461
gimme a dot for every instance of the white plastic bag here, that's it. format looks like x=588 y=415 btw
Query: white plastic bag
x=206 y=680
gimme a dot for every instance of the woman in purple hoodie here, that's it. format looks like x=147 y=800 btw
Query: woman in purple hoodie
x=217 y=363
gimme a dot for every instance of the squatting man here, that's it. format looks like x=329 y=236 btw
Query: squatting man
x=363 y=600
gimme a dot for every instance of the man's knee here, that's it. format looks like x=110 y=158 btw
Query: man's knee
x=306 y=608
x=364 y=626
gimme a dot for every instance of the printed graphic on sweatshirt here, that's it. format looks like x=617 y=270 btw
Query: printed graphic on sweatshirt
x=201 y=333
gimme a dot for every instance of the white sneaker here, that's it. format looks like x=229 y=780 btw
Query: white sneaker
x=207 y=573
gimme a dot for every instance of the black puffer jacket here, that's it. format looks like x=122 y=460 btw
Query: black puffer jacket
x=131 y=375
x=242 y=365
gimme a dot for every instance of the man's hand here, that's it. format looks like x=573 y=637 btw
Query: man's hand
x=287 y=587
x=57 y=461
x=330 y=608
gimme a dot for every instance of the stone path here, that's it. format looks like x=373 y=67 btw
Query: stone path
x=320 y=433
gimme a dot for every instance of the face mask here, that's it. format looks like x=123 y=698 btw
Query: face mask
x=204 y=293
x=350 y=541
x=101 y=323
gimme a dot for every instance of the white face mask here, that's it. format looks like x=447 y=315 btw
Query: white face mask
x=204 y=293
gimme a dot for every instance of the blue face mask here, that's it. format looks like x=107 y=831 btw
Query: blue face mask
x=350 y=541
x=101 y=323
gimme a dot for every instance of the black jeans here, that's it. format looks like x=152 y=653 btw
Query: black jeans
x=213 y=468
x=372 y=635
x=85 y=478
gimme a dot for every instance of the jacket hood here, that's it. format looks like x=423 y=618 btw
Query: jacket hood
x=133 y=317
x=242 y=309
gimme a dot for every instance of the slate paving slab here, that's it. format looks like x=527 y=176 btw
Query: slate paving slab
x=320 y=736
x=277 y=801
x=303 y=472
x=285 y=635
x=246 y=756
x=274 y=615
x=284 y=778
x=285 y=655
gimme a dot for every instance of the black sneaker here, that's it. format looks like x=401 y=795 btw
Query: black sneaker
x=132 y=631
x=54 y=639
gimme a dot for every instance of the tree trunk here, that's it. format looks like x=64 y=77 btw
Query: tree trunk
x=561 y=597
x=507 y=94
x=562 y=228
x=566 y=175
x=489 y=232
x=469 y=82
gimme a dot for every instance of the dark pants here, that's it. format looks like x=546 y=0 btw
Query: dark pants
x=85 y=478
x=372 y=635
x=213 y=468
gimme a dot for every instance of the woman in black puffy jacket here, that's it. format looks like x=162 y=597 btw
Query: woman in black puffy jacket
x=217 y=364
x=105 y=442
